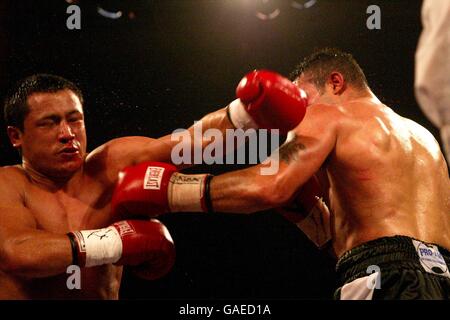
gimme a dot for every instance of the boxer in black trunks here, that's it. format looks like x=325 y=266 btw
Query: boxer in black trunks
x=385 y=180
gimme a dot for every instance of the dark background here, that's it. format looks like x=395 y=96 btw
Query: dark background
x=164 y=64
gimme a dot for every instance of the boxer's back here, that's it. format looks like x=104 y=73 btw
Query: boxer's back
x=388 y=177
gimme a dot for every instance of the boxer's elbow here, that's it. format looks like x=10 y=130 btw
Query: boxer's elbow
x=274 y=193
x=10 y=261
x=14 y=261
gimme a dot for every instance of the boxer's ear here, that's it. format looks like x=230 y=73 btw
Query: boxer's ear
x=337 y=82
x=15 y=136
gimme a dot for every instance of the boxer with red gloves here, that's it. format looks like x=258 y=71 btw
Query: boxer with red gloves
x=145 y=245
x=68 y=188
x=387 y=185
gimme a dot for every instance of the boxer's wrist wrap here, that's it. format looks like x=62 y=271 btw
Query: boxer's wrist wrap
x=239 y=116
x=207 y=196
x=74 y=246
x=186 y=192
x=97 y=247
x=78 y=248
x=227 y=109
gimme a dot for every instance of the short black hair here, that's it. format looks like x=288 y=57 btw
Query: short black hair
x=322 y=62
x=16 y=107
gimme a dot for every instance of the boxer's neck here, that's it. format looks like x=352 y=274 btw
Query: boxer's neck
x=68 y=184
x=352 y=94
x=366 y=96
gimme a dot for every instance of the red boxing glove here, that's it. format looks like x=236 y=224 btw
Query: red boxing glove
x=146 y=244
x=153 y=188
x=310 y=213
x=268 y=100
x=142 y=189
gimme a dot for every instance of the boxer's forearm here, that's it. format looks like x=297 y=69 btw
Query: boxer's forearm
x=268 y=185
x=217 y=120
x=247 y=191
x=36 y=254
x=181 y=145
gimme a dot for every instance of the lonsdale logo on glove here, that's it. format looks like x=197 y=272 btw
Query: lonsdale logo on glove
x=124 y=228
x=152 y=188
x=153 y=177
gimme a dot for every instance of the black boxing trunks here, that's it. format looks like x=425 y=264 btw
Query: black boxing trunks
x=394 y=268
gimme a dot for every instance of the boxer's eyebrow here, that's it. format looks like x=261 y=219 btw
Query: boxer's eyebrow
x=56 y=117
x=74 y=113
x=53 y=117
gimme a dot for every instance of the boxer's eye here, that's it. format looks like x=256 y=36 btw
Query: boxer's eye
x=46 y=123
x=75 y=119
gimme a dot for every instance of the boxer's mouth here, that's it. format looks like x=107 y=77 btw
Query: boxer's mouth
x=69 y=150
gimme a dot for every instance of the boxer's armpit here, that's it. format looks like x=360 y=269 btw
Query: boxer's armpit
x=289 y=151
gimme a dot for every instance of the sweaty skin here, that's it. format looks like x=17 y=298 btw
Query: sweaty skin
x=385 y=174
x=387 y=177
x=60 y=188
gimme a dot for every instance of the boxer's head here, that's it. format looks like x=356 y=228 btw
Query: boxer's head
x=327 y=73
x=45 y=122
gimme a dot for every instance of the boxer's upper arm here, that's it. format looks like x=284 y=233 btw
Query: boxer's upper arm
x=12 y=196
x=122 y=152
x=250 y=190
x=15 y=219
x=26 y=250
x=312 y=142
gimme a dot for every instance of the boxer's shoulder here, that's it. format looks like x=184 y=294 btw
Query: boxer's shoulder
x=319 y=116
x=12 y=174
x=102 y=160
x=325 y=110
x=107 y=160
x=13 y=181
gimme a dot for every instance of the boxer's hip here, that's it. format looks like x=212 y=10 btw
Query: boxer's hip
x=392 y=267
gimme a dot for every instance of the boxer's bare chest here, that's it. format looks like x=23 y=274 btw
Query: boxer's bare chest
x=60 y=212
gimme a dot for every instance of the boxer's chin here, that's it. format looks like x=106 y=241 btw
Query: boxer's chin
x=68 y=168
